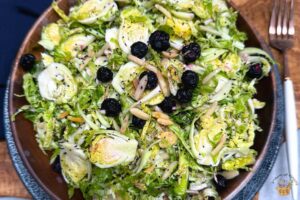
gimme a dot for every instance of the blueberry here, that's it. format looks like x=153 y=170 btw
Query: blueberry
x=27 y=61
x=220 y=182
x=168 y=104
x=137 y=122
x=152 y=79
x=139 y=49
x=104 y=74
x=190 y=79
x=191 y=52
x=184 y=95
x=56 y=165
x=111 y=106
x=159 y=41
x=255 y=70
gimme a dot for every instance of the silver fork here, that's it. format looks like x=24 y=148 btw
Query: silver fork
x=281 y=34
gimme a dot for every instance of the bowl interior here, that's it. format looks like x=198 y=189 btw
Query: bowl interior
x=38 y=163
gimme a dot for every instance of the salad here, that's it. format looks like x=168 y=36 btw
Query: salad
x=145 y=99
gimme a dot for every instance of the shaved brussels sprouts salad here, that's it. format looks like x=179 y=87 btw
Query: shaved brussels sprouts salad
x=145 y=99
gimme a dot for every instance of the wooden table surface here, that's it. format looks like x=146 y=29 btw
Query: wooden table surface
x=257 y=11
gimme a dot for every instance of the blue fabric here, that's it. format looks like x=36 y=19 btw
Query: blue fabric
x=17 y=16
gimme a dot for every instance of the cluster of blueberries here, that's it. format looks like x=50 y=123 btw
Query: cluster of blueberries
x=159 y=41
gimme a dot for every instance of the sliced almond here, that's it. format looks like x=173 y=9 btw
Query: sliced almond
x=170 y=54
x=141 y=88
x=163 y=84
x=151 y=68
x=158 y=115
x=125 y=124
x=136 y=60
x=139 y=113
x=135 y=83
x=63 y=115
x=76 y=119
x=150 y=169
x=165 y=122
x=142 y=63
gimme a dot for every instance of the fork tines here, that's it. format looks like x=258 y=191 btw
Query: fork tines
x=282 y=19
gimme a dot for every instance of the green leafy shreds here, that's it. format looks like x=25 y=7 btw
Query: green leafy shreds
x=31 y=90
x=88 y=97
x=184 y=117
x=59 y=11
x=117 y=58
x=97 y=187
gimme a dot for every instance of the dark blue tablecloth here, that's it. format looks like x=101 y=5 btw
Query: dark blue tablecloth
x=17 y=16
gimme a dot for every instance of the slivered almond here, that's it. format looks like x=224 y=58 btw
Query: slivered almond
x=124 y=125
x=63 y=115
x=139 y=113
x=165 y=122
x=142 y=63
x=170 y=54
x=135 y=83
x=141 y=88
x=151 y=68
x=158 y=115
x=76 y=119
x=150 y=169
x=163 y=84
x=136 y=60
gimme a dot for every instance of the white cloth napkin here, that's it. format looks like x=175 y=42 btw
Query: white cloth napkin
x=279 y=178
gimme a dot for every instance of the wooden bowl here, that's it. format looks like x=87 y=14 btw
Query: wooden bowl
x=37 y=163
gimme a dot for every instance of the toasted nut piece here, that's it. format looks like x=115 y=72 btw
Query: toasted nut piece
x=136 y=60
x=150 y=169
x=142 y=63
x=139 y=113
x=163 y=10
x=135 y=82
x=167 y=139
x=125 y=124
x=76 y=119
x=158 y=115
x=165 y=122
x=170 y=54
x=141 y=88
x=63 y=115
x=163 y=84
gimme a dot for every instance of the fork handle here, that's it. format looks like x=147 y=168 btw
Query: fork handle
x=291 y=133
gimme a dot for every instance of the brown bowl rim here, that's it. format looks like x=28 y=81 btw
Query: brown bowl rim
x=40 y=20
